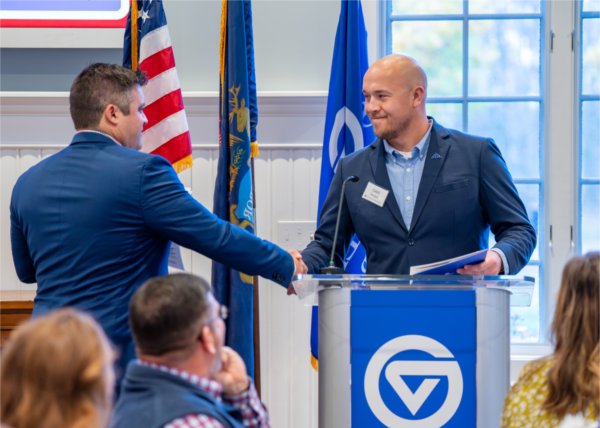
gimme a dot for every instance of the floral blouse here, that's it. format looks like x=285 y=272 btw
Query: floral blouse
x=523 y=404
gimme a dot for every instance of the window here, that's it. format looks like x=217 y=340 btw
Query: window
x=484 y=60
x=589 y=126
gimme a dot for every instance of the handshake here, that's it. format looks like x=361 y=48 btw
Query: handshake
x=300 y=268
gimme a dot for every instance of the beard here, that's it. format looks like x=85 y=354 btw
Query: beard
x=393 y=130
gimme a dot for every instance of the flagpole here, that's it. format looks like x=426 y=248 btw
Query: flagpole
x=255 y=298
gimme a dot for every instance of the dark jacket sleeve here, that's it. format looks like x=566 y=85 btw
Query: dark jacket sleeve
x=175 y=215
x=505 y=210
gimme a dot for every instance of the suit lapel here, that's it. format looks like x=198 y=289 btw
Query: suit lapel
x=434 y=160
x=382 y=179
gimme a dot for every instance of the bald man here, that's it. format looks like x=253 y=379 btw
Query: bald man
x=425 y=193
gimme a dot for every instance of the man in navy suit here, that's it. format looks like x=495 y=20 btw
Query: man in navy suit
x=425 y=193
x=93 y=222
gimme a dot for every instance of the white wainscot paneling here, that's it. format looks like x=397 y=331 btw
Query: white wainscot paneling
x=33 y=126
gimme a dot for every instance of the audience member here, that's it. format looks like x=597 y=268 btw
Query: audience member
x=184 y=376
x=563 y=389
x=57 y=372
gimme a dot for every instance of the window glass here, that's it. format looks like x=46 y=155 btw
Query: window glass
x=433 y=43
x=504 y=57
x=412 y=7
x=590 y=217
x=590 y=139
x=591 y=5
x=504 y=6
x=520 y=145
x=590 y=43
x=448 y=114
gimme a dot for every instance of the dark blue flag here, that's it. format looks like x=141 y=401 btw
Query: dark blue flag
x=233 y=199
x=347 y=127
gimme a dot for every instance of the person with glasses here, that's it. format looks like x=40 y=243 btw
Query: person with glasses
x=184 y=376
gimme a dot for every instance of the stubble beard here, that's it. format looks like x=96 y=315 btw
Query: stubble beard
x=394 y=131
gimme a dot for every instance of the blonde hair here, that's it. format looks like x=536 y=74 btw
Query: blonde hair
x=574 y=379
x=57 y=372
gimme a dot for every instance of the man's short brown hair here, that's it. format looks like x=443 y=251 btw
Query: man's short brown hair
x=97 y=86
x=167 y=312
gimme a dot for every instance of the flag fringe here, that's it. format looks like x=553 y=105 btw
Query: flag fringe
x=254 y=152
x=223 y=43
x=314 y=363
x=183 y=164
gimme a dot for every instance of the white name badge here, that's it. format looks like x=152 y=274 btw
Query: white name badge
x=375 y=194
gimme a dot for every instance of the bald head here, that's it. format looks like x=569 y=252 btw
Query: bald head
x=395 y=89
x=402 y=68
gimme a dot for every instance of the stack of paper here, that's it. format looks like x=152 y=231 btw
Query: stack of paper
x=449 y=266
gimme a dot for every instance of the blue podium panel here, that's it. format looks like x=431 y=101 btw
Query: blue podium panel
x=413 y=358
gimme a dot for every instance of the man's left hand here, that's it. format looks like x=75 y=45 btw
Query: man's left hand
x=490 y=266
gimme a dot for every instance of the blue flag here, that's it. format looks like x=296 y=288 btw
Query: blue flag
x=347 y=127
x=233 y=198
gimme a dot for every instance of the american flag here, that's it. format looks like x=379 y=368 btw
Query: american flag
x=148 y=47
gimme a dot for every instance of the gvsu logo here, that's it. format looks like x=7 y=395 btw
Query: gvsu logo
x=388 y=375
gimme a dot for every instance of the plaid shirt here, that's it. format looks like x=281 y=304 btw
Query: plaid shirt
x=254 y=412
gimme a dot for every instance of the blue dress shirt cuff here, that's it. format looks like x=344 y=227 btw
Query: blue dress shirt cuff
x=505 y=270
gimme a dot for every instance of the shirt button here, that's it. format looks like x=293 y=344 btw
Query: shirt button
x=408 y=198
x=407 y=169
x=411 y=242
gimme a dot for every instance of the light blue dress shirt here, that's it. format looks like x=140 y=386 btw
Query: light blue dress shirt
x=405 y=174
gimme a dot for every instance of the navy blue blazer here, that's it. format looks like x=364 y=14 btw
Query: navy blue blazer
x=465 y=190
x=91 y=223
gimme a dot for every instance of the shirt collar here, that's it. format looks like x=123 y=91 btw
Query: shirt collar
x=209 y=386
x=419 y=150
x=98 y=132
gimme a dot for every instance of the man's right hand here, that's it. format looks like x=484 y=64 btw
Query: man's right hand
x=233 y=375
x=299 y=266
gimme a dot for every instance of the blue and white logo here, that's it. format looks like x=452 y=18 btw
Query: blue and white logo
x=344 y=117
x=431 y=371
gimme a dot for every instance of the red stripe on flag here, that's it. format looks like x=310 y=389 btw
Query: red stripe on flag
x=158 y=63
x=163 y=107
x=176 y=148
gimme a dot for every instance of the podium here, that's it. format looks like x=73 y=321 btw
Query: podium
x=413 y=351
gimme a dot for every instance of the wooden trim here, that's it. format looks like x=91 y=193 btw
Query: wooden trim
x=15 y=307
